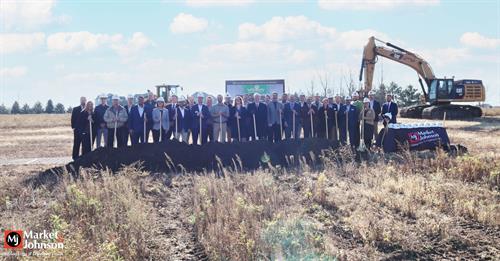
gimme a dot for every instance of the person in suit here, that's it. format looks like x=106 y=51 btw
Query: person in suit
x=274 y=114
x=149 y=105
x=87 y=116
x=326 y=119
x=172 y=108
x=257 y=109
x=128 y=108
x=391 y=107
x=136 y=121
x=210 y=122
x=239 y=114
x=352 y=114
x=342 y=130
x=75 y=125
x=229 y=103
x=115 y=118
x=291 y=110
x=317 y=104
x=307 y=112
x=161 y=121
x=375 y=106
x=199 y=112
x=102 y=130
x=183 y=121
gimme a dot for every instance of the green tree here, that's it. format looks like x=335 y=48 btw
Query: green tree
x=38 y=108
x=69 y=109
x=26 y=109
x=15 y=108
x=409 y=96
x=50 y=107
x=59 y=108
x=3 y=109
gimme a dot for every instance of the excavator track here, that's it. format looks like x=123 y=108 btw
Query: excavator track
x=414 y=112
x=453 y=112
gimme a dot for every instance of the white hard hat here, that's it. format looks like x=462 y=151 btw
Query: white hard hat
x=130 y=96
x=388 y=115
x=103 y=96
x=365 y=100
x=337 y=95
x=182 y=98
x=255 y=94
x=199 y=95
x=160 y=99
x=348 y=98
x=228 y=95
x=355 y=94
x=115 y=97
x=371 y=93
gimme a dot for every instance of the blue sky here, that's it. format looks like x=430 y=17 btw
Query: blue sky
x=66 y=49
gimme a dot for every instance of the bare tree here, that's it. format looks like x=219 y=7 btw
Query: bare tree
x=325 y=80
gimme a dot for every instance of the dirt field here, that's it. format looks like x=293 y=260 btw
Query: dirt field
x=441 y=208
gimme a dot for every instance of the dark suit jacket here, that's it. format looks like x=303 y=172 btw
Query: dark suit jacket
x=393 y=109
x=306 y=118
x=75 y=117
x=183 y=123
x=196 y=118
x=377 y=109
x=135 y=120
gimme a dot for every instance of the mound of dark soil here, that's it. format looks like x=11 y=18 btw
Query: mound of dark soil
x=195 y=158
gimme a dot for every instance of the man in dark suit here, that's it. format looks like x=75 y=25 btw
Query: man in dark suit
x=136 y=122
x=76 y=126
x=352 y=114
x=172 y=108
x=391 y=107
x=341 y=119
x=307 y=112
x=290 y=108
x=199 y=112
x=257 y=109
x=375 y=106
x=128 y=108
x=183 y=121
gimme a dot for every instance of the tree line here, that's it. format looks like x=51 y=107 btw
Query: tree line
x=37 y=108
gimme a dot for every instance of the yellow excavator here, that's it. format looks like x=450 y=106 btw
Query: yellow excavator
x=438 y=95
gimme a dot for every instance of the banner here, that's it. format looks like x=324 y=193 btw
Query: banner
x=415 y=138
x=235 y=88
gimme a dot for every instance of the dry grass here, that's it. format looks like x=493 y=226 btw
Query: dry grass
x=491 y=111
x=439 y=208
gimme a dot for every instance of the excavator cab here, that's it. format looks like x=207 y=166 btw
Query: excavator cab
x=441 y=90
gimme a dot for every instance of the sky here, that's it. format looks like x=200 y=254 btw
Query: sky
x=66 y=49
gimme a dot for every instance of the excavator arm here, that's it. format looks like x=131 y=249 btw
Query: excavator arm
x=397 y=54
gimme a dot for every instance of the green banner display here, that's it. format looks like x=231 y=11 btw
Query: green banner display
x=235 y=88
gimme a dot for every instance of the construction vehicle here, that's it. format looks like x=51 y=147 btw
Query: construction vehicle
x=438 y=95
x=166 y=90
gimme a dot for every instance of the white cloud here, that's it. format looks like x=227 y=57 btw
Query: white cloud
x=285 y=28
x=79 y=41
x=445 y=56
x=138 y=42
x=373 y=4
x=13 y=72
x=474 y=39
x=356 y=39
x=25 y=15
x=108 y=77
x=186 y=23
x=12 y=43
x=208 y=3
x=257 y=51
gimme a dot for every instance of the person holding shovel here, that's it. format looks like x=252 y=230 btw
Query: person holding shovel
x=352 y=122
x=326 y=118
x=160 y=121
x=115 y=118
x=368 y=124
x=183 y=121
x=274 y=118
x=200 y=115
x=257 y=110
x=238 y=113
x=88 y=127
x=220 y=114
x=137 y=122
x=341 y=121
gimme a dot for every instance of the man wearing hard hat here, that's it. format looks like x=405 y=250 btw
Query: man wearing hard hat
x=102 y=130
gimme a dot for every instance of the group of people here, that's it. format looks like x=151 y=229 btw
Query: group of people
x=247 y=117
